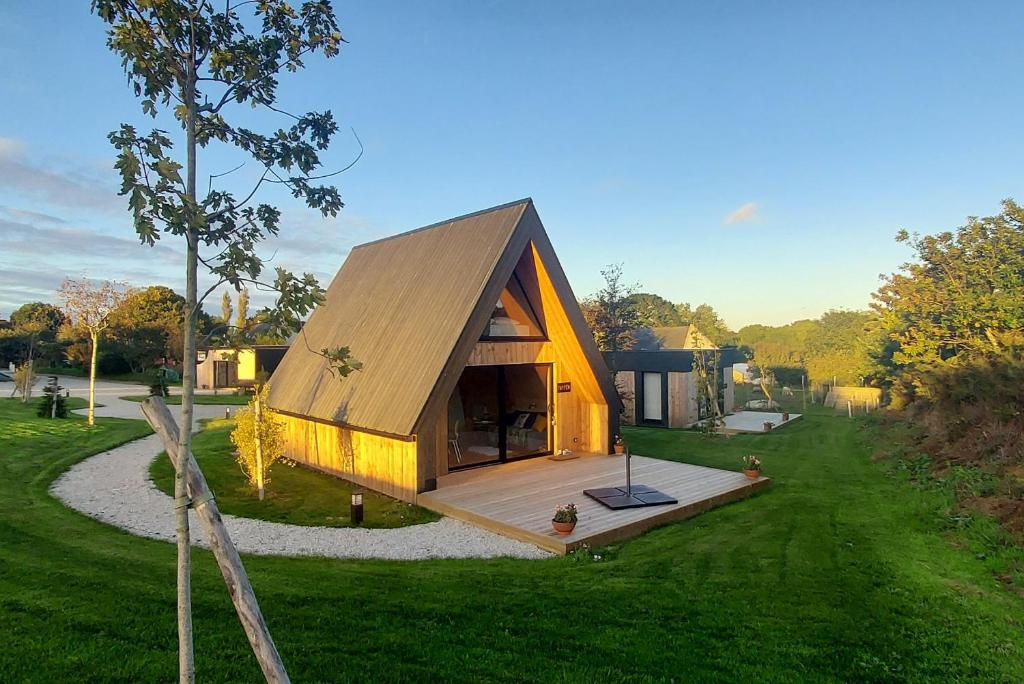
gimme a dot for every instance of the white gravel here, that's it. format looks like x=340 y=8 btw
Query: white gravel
x=115 y=487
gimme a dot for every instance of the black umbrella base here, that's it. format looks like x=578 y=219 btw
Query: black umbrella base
x=638 y=496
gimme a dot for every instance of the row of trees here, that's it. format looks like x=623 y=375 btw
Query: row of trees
x=838 y=346
x=940 y=331
x=144 y=330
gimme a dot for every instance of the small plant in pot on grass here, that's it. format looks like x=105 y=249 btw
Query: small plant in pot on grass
x=752 y=466
x=565 y=518
x=620 y=446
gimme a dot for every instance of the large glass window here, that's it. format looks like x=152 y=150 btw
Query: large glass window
x=513 y=315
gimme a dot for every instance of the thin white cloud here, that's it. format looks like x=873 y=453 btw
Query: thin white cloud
x=745 y=213
x=65 y=187
x=10 y=147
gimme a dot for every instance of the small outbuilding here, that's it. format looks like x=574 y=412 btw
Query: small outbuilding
x=473 y=350
x=230 y=368
x=660 y=388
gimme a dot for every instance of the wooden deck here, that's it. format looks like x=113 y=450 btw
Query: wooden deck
x=518 y=499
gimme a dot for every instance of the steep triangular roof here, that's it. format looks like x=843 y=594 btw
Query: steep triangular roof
x=411 y=307
x=681 y=337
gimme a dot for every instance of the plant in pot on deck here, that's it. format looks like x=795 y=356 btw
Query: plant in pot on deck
x=565 y=518
x=620 y=446
x=752 y=466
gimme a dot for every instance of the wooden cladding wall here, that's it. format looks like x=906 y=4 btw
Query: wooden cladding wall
x=383 y=464
x=682 y=410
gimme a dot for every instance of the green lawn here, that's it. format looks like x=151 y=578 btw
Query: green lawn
x=839 y=572
x=200 y=399
x=294 y=495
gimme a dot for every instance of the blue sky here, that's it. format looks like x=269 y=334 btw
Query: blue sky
x=639 y=130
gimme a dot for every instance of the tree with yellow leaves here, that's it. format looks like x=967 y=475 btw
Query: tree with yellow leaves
x=259 y=438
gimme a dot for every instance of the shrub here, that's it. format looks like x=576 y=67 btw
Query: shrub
x=46 y=404
x=270 y=431
x=158 y=385
x=112 y=363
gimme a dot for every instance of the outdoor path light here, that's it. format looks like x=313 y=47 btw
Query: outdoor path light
x=356 y=509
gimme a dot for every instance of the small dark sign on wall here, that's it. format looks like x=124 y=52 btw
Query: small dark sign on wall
x=565 y=387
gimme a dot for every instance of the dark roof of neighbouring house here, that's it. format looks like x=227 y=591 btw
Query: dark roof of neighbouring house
x=669 y=360
x=410 y=308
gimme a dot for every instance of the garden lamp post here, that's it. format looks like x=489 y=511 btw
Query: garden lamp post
x=356 y=507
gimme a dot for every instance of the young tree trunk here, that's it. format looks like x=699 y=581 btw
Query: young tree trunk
x=27 y=389
x=95 y=338
x=224 y=551
x=186 y=659
x=259 y=444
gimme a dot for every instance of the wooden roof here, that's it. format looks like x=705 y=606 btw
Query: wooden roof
x=411 y=307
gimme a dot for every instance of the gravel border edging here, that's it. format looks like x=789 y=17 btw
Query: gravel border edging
x=114 y=487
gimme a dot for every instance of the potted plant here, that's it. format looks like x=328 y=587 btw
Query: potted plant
x=565 y=518
x=752 y=466
x=768 y=426
x=620 y=446
x=785 y=416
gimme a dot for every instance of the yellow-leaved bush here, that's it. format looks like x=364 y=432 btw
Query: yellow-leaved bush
x=271 y=432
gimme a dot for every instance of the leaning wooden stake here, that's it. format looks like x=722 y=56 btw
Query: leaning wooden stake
x=220 y=543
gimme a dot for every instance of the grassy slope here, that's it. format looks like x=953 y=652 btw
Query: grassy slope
x=294 y=495
x=200 y=399
x=836 y=573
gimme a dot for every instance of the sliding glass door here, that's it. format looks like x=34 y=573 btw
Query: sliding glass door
x=499 y=413
x=527 y=415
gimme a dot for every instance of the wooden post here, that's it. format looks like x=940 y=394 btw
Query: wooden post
x=220 y=542
x=258 y=434
x=849 y=408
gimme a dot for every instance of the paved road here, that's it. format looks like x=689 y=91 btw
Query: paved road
x=107 y=393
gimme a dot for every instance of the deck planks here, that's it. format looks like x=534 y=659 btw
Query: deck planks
x=518 y=499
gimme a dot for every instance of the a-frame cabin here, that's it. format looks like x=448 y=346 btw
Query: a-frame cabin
x=474 y=352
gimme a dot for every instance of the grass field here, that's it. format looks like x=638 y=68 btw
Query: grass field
x=294 y=495
x=200 y=399
x=839 y=572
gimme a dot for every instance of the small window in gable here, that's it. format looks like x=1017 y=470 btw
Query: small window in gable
x=513 y=316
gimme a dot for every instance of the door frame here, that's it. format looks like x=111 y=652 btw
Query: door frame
x=501 y=389
x=639 y=399
x=549 y=410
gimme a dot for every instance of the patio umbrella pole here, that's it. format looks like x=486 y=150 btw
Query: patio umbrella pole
x=629 y=485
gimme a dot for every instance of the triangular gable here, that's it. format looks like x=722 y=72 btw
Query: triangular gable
x=529 y=239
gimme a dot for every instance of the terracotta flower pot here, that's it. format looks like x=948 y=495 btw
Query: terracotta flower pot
x=563 y=527
x=785 y=416
x=620 y=448
x=752 y=474
x=767 y=426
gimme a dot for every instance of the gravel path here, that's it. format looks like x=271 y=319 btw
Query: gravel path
x=114 y=487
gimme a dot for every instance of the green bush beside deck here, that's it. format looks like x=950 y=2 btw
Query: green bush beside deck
x=294 y=495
